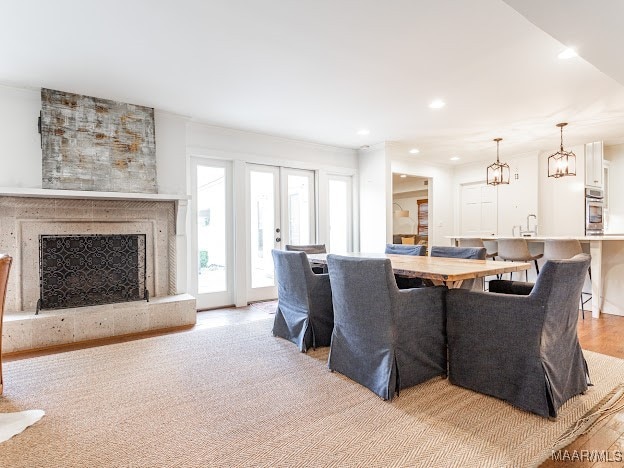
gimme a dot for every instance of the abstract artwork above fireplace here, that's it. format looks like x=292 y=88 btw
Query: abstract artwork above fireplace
x=96 y=144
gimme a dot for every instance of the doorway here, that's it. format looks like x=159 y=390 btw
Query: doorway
x=410 y=208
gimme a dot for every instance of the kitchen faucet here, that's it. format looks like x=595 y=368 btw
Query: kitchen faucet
x=528 y=231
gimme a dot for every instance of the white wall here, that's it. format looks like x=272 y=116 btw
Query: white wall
x=375 y=197
x=515 y=201
x=267 y=149
x=562 y=200
x=615 y=156
x=20 y=156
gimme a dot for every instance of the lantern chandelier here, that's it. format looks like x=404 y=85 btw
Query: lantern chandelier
x=498 y=173
x=562 y=163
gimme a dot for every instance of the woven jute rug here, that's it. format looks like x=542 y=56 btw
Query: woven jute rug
x=237 y=396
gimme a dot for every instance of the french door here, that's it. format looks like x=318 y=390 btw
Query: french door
x=212 y=241
x=281 y=210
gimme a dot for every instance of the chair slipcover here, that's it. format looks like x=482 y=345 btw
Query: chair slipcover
x=402 y=249
x=304 y=304
x=475 y=253
x=523 y=349
x=384 y=338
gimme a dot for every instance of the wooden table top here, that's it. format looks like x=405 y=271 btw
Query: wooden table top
x=438 y=268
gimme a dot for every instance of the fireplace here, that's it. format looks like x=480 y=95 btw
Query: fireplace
x=87 y=270
x=152 y=219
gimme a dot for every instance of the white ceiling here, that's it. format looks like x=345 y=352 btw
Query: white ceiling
x=320 y=70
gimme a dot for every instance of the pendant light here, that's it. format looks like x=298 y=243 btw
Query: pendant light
x=562 y=163
x=498 y=172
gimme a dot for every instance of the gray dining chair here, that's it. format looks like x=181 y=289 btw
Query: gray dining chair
x=474 y=253
x=521 y=346
x=491 y=246
x=384 y=338
x=304 y=312
x=406 y=249
x=310 y=249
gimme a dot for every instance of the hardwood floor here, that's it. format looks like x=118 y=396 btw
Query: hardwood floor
x=604 y=335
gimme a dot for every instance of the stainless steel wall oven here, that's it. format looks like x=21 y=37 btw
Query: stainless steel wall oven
x=594 y=212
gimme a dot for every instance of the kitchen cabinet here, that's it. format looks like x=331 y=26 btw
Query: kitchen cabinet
x=593 y=164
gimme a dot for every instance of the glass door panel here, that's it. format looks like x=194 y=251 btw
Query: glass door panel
x=211 y=230
x=264 y=222
x=299 y=188
x=212 y=233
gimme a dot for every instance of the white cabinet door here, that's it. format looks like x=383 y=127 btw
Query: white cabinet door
x=593 y=164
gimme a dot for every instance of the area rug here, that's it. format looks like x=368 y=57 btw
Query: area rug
x=237 y=396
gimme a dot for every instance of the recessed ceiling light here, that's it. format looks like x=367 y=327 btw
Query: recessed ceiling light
x=568 y=54
x=437 y=104
x=414 y=151
x=363 y=131
x=455 y=158
x=403 y=176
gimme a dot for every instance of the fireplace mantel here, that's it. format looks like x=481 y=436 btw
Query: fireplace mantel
x=181 y=201
x=88 y=195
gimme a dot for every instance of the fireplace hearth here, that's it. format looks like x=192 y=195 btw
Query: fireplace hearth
x=88 y=270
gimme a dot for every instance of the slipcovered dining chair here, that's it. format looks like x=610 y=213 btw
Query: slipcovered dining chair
x=304 y=312
x=403 y=249
x=491 y=246
x=473 y=253
x=384 y=338
x=5 y=268
x=309 y=249
x=522 y=348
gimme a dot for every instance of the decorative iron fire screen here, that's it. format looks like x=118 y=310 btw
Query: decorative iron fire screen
x=81 y=270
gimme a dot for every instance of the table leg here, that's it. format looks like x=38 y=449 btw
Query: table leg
x=448 y=284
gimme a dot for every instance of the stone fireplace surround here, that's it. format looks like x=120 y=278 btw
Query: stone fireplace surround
x=26 y=214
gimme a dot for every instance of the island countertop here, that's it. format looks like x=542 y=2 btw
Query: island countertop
x=607 y=266
x=606 y=237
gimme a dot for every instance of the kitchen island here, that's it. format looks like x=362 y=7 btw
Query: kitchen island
x=607 y=267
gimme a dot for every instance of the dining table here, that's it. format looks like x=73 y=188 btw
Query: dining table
x=450 y=272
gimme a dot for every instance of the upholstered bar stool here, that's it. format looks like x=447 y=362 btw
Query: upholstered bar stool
x=517 y=250
x=563 y=249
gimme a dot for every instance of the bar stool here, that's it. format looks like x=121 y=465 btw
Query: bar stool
x=517 y=250
x=557 y=249
x=491 y=248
